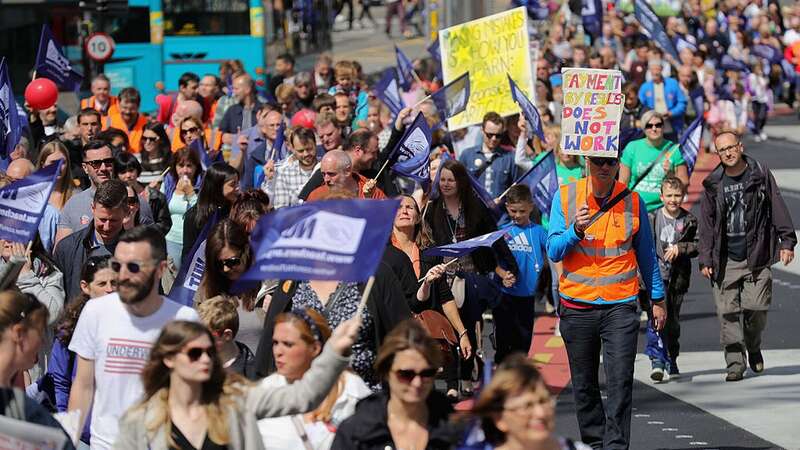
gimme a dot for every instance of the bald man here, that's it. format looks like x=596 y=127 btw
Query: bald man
x=19 y=169
x=337 y=172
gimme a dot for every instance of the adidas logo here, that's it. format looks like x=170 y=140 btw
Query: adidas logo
x=520 y=244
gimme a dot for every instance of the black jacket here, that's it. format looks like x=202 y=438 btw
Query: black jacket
x=71 y=254
x=681 y=268
x=403 y=269
x=769 y=225
x=158 y=206
x=368 y=428
x=386 y=304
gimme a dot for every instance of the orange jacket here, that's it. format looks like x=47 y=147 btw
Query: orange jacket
x=134 y=134
x=602 y=267
x=213 y=138
x=113 y=107
x=376 y=193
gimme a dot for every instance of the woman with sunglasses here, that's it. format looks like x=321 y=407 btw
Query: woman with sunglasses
x=97 y=280
x=155 y=149
x=180 y=187
x=408 y=413
x=128 y=170
x=63 y=188
x=457 y=215
x=23 y=320
x=192 y=402
x=516 y=410
x=299 y=338
x=227 y=256
x=219 y=189
x=645 y=162
x=189 y=130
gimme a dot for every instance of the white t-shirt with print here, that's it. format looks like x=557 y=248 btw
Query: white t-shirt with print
x=119 y=344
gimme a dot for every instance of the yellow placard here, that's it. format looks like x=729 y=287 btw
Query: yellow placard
x=488 y=48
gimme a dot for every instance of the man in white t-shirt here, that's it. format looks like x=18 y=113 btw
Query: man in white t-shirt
x=115 y=333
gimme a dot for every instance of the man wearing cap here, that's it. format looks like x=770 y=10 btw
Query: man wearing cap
x=602 y=253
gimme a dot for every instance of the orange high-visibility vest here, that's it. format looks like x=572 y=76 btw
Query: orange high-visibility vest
x=602 y=267
x=113 y=108
x=213 y=138
x=134 y=134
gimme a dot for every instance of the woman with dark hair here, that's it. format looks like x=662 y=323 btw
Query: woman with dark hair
x=97 y=280
x=191 y=402
x=63 y=189
x=457 y=215
x=155 y=148
x=180 y=189
x=517 y=411
x=220 y=188
x=227 y=257
x=251 y=205
x=408 y=413
x=128 y=170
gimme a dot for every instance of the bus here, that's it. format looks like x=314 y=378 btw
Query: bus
x=155 y=40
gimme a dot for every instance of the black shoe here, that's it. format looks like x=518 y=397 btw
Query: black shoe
x=734 y=376
x=756 y=361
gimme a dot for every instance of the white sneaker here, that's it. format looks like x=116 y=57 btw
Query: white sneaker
x=757 y=138
x=657 y=374
x=763 y=136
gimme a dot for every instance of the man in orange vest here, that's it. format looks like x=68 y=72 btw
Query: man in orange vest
x=101 y=98
x=601 y=234
x=128 y=119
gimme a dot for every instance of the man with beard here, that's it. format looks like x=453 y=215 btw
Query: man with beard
x=115 y=333
x=109 y=208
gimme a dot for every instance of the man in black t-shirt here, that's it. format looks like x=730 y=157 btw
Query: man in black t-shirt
x=743 y=221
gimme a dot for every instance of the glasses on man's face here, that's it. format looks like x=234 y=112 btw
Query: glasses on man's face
x=193 y=130
x=97 y=163
x=731 y=148
x=230 y=263
x=493 y=135
x=654 y=126
x=132 y=266
x=194 y=353
x=599 y=162
x=408 y=375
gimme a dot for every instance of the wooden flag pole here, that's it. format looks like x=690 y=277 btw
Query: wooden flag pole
x=363 y=303
x=422 y=101
x=445 y=265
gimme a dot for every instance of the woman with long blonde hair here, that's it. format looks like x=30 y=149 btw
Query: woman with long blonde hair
x=191 y=402
x=51 y=153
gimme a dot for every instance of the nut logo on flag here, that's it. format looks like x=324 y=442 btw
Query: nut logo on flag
x=324 y=231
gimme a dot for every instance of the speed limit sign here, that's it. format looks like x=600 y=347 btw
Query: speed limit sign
x=99 y=47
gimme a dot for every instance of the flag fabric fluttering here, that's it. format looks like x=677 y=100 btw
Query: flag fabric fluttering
x=405 y=70
x=412 y=153
x=436 y=53
x=652 y=26
x=689 y=143
x=387 y=90
x=542 y=180
x=199 y=146
x=528 y=109
x=465 y=247
x=52 y=63
x=22 y=204
x=10 y=120
x=453 y=98
x=592 y=13
x=192 y=268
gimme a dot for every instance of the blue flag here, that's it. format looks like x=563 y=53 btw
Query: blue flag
x=453 y=97
x=326 y=240
x=276 y=154
x=199 y=146
x=485 y=197
x=592 y=12
x=436 y=53
x=466 y=247
x=656 y=348
x=542 y=180
x=689 y=143
x=652 y=26
x=405 y=70
x=528 y=110
x=434 y=194
x=192 y=268
x=53 y=64
x=728 y=62
x=768 y=52
x=10 y=123
x=388 y=91
x=229 y=83
x=681 y=43
x=414 y=150
x=22 y=204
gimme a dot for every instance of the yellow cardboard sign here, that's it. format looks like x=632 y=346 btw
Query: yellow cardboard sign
x=488 y=48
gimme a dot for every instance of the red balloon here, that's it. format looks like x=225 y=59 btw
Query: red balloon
x=41 y=93
x=304 y=118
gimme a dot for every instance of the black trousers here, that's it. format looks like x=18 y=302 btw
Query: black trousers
x=614 y=330
x=513 y=325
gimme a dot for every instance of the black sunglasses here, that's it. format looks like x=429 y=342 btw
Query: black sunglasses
x=656 y=126
x=149 y=139
x=190 y=130
x=408 y=375
x=230 y=263
x=195 y=353
x=604 y=161
x=97 y=163
x=133 y=267
x=493 y=135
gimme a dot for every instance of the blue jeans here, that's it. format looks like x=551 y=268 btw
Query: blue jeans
x=614 y=329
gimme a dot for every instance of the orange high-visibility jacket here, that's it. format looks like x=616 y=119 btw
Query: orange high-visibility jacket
x=134 y=134
x=602 y=267
x=113 y=107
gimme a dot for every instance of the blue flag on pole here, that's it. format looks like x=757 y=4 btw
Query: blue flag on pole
x=652 y=26
x=229 y=83
x=528 y=110
x=768 y=52
x=689 y=143
x=199 y=146
x=436 y=53
x=405 y=70
x=453 y=97
x=53 y=64
x=728 y=62
x=326 y=240
x=485 y=197
x=542 y=180
x=388 y=91
x=434 y=194
x=414 y=150
x=10 y=126
x=592 y=13
x=22 y=204
x=462 y=248
x=192 y=268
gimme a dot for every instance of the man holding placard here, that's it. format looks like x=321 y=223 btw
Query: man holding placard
x=600 y=232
